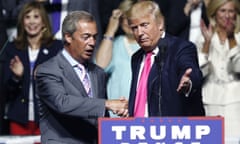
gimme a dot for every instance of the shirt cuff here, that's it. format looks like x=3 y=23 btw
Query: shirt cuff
x=189 y=90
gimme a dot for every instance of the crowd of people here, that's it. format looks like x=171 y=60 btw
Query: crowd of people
x=58 y=77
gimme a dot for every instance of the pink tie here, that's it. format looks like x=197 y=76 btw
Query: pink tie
x=85 y=80
x=141 y=96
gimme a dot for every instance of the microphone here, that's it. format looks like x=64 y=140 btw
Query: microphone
x=160 y=58
x=162 y=54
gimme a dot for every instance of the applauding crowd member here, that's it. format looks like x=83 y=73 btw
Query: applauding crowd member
x=33 y=45
x=219 y=59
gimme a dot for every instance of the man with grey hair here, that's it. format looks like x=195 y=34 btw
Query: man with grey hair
x=72 y=89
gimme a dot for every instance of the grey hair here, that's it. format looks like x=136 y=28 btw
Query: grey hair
x=69 y=25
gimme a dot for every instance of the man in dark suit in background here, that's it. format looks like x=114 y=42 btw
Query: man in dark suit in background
x=174 y=81
x=68 y=109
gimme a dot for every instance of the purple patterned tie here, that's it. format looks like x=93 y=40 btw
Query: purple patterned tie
x=85 y=80
x=141 y=96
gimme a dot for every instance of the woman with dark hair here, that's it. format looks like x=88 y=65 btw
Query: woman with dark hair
x=33 y=45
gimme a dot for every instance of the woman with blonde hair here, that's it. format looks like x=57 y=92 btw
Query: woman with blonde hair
x=219 y=59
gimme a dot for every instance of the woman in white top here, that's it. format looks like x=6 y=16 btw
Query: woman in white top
x=219 y=59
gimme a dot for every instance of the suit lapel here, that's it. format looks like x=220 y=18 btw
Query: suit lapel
x=136 y=67
x=136 y=63
x=42 y=55
x=70 y=74
x=26 y=62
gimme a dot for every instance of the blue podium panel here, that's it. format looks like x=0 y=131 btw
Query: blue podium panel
x=162 y=130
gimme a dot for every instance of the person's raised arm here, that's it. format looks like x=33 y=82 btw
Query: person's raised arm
x=104 y=53
x=207 y=33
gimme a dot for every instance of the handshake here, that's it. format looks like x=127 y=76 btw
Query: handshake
x=118 y=106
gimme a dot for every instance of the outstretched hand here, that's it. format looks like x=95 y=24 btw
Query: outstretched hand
x=185 y=81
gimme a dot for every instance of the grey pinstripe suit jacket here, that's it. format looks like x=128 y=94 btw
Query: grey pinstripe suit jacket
x=67 y=114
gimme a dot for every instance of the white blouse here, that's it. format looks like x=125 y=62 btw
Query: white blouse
x=220 y=68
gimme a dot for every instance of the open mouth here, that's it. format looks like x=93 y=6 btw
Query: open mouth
x=89 y=52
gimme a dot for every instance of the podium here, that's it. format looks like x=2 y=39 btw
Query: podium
x=162 y=130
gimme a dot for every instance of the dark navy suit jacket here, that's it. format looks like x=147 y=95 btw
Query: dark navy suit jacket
x=17 y=93
x=174 y=57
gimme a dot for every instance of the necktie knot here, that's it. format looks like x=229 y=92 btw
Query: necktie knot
x=148 y=58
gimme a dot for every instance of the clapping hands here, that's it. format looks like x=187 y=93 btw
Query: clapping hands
x=17 y=67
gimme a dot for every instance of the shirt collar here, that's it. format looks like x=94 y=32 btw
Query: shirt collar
x=69 y=58
x=163 y=35
x=156 y=50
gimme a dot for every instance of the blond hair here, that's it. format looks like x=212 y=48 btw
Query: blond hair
x=214 y=5
x=143 y=8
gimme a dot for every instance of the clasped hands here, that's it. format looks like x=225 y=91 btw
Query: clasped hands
x=118 y=106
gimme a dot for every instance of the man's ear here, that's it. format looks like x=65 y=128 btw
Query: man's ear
x=161 y=24
x=68 y=38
